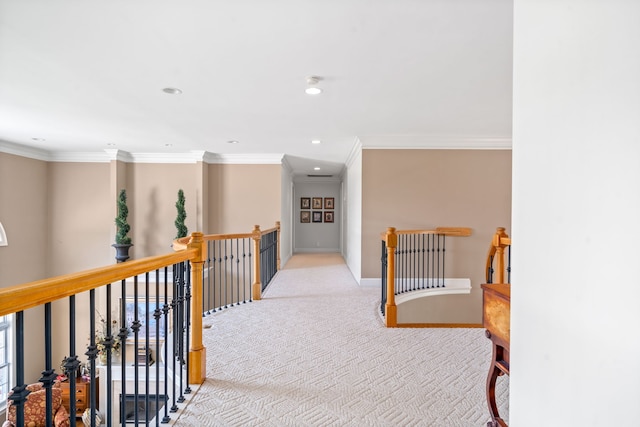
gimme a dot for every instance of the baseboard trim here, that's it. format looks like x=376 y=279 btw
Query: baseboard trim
x=439 y=325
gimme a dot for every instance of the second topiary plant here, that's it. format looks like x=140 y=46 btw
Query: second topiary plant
x=181 y=216
x=123 y=241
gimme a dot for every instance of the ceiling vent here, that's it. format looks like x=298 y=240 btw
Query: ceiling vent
x=320 y=176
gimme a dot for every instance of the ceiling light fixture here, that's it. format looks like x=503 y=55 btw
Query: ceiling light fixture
x=39 y=139
x=316 y=141
x=233 y=141
x=316 y=168
x=312 y=89
x=172 y=90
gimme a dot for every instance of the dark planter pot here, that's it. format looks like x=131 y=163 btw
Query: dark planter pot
x=122 y=251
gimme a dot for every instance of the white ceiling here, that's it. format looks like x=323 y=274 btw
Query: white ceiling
x=406 y=73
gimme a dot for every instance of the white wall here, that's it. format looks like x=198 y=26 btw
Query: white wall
x=576 y=206
x=317 y=237
x=353 y=212
x=286 y=216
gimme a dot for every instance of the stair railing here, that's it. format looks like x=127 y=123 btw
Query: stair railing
x=175 y=308
x=412 y=260
x=500 y=243
x=238 y=267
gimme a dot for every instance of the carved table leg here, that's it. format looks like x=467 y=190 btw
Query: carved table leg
x=494 y=373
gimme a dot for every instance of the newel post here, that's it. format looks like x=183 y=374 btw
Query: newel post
x=499 y=244
x=257 y=286
x=391 y=311
x=197 y=352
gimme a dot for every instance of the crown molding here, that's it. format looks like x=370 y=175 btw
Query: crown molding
x=24 y=151
x=435 y=142
x=245 y=159
x=356 y=150
x=286 y=165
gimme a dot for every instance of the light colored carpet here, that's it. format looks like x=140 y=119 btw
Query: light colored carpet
x=314 y=352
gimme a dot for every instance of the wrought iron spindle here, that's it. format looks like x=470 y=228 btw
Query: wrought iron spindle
x=49 y=374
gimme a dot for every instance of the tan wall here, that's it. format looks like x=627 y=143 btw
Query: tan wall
x=241 y=196
x=414 y=189
x=152 y=192
x=23 y=209
x=80 y=218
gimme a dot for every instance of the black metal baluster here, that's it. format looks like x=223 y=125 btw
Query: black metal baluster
x=187 y=389
x=509 y=264
x=165 y=312
x=49 y=374
x=244 y=271
x=238 y=269
x=20 y=391
x=72 y=362
x=444 y=240
x=135 y=327
x=181 y=306
x=147 y=348
x=251 y=272
x=124 y=333
x=93 y=351
x=157 y=315
x=176 y=334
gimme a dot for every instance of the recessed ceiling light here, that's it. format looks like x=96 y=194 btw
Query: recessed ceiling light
x=316 y=168
x=233 y=141
x=172 y=90
x=39 y=139
x=111 y=144
x=316 y=141
x=312 y=89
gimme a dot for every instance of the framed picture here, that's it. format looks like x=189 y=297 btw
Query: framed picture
x=144 y=317
x=328 y=216
x=317 y=203
x=328 y=203
x=317 y=216
x=305 y=216
x=305 y=203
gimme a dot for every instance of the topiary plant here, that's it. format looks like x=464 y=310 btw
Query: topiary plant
x=121 y=220
x=182 y=215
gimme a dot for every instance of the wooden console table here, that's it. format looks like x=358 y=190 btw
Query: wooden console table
x=496 y=314
x=83 y=395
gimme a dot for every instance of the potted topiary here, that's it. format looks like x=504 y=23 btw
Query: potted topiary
x=182 y=215
x=123 y=242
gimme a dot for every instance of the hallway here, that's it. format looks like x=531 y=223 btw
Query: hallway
x=314 y=352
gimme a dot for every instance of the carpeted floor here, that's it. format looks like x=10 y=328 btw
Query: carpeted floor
x=314 y=352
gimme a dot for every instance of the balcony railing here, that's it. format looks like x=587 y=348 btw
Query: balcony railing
x=500 y=244
x=412 y=260
x=150 y=334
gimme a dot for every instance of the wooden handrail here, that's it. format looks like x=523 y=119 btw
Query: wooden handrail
x=33 y=294
x=443 y=231
x=499 y=242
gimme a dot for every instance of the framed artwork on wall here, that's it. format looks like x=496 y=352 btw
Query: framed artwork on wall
x=317 y=216
x=305 y=216
x=328 y=203
x=317 y=203
x=328 y=216
x=144 y=317
x=305 y=203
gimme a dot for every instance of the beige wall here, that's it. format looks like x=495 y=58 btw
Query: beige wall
x=23 y=213
x=415 y=189
x=241 y=196
x=152 y=192
x=79 y=217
